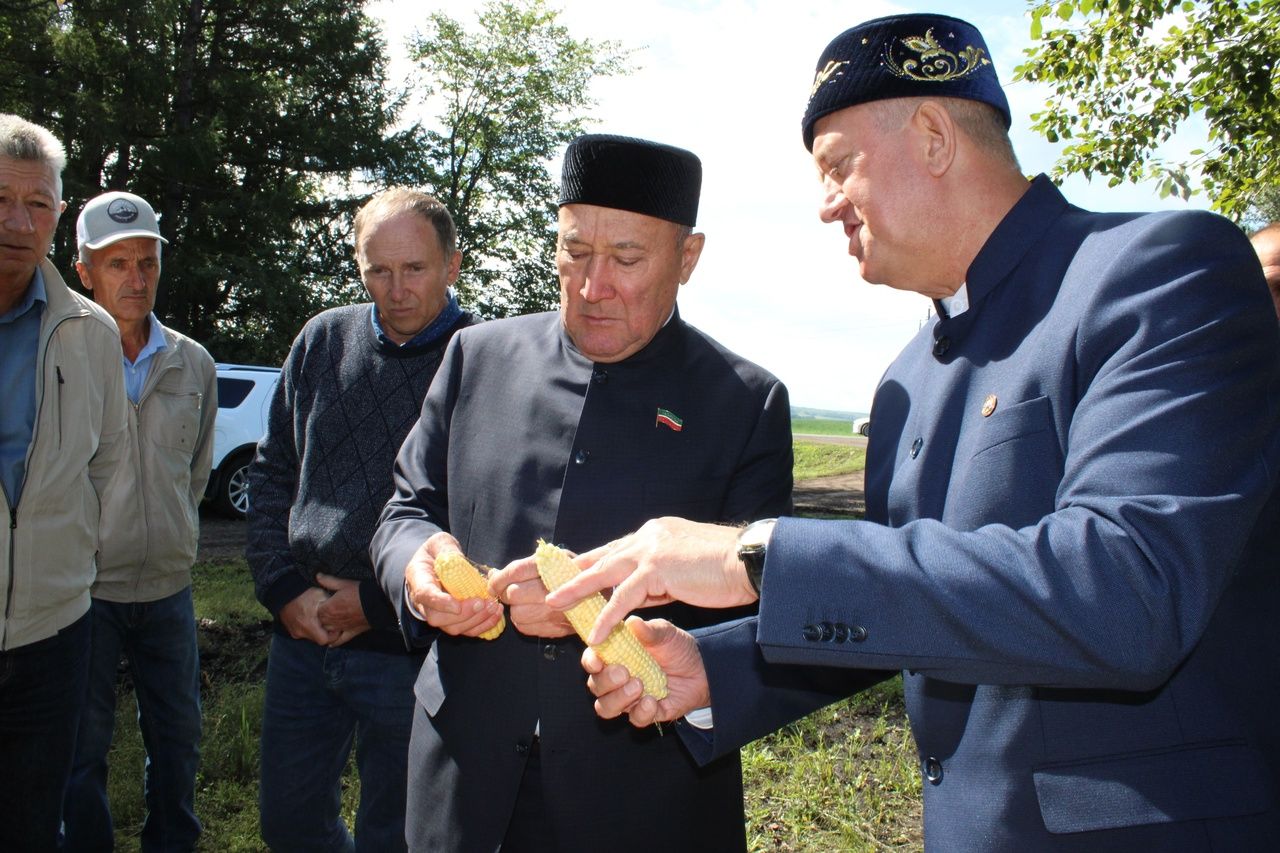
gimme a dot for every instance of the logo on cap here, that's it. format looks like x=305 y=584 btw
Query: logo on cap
x=925 y=60
x=831 y=69
x=122 y=210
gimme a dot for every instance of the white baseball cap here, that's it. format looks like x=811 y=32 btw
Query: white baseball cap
x=116 y=216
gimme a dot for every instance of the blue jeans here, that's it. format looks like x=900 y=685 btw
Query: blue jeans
x=159 y=640
x=318 y=701
x=41 y=691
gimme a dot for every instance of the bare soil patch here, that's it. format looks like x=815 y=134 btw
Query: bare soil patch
x=841 y=495
x=221 y=538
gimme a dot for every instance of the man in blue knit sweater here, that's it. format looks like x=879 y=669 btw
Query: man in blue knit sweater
x=351 y=388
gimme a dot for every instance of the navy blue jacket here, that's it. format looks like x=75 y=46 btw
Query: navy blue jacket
x=1062 y=549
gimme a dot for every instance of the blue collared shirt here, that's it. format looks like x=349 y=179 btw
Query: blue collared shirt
x=135 y=372
x=19 y=345
x=437 y=327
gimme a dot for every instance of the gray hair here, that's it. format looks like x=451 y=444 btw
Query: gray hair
x=981 y=122
x=1268 y=230
x=397 y=200
x=24 y=140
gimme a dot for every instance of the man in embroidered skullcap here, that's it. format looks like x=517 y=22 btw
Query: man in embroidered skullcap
x=1069 y=548
x=573 y=426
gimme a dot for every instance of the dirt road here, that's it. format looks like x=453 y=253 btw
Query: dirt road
x=223 y=539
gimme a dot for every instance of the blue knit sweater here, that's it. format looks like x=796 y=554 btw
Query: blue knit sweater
x=322 y=473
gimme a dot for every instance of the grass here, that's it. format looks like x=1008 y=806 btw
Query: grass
x=821 y=426
x=814 y=459
x=233 y=633
x=844 y=778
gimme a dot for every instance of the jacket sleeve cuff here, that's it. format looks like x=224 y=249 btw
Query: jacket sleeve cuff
x=284 y=589
x=377 y=610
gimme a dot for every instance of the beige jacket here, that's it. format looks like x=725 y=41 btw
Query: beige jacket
x=47 y=541
x=150 y=520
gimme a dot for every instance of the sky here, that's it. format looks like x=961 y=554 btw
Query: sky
x=728 y=79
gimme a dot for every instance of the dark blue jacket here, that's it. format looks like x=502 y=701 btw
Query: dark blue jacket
x=1062 y=549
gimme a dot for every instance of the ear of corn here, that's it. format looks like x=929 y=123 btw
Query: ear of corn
x=461 y=579
x=557 y=568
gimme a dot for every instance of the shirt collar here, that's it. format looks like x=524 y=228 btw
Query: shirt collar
x=442 y=323
x=155 y=341
x=957 y=303
x=35 y=293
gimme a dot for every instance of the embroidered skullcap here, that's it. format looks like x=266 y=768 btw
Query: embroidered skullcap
x=632 y=174
x=903 y=56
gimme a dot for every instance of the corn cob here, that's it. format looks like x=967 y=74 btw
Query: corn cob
x=461 y=579
x=557 y=568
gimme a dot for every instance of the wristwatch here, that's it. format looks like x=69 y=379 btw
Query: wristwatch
x=753 y=541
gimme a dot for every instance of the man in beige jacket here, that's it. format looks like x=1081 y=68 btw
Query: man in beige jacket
x=62 y=435
x=142 y=597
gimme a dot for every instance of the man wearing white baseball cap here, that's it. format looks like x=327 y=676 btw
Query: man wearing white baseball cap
x=142 y=595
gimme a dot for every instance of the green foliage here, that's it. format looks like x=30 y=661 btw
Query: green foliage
x=512 y=91
x=815 y=459
x=1130 y=73
x=1264 y=208
x=240 y=120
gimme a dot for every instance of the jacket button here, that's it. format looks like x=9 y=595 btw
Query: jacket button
x=827 y=631
x=522 y=748
x=549 y=651
x=842 y=632
x=600 y=376
x=941 y=345
x=932 y=769
x=812 y=633
x=915 y=447
x=581 y=457
x=857 y=634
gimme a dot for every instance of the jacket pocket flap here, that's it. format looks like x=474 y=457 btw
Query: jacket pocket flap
x=1029 y=416
x=1192 y=783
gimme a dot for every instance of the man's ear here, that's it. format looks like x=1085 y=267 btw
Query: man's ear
x=83 y=272
x=689 y=254
x=937 y=132
x=455 y=267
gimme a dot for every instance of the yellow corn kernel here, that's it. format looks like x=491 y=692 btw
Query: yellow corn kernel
x=557 y=568
x=461 y=579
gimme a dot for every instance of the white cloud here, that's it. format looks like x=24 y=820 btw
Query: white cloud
x=728 y=80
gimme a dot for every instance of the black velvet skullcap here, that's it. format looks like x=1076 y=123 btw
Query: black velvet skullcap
x=632 y=174
x=903 y=56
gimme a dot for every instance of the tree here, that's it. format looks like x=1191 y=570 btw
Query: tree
x=510 y=93
x=242 y=121
x=1132 y=72
x=1264 y=208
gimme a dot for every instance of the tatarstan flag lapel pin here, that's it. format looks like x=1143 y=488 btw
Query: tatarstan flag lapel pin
x=669 y=419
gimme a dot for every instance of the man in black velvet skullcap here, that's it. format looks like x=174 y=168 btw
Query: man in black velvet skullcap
x=573 y=426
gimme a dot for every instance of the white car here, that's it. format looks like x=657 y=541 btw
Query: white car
x=244 y=395
x=862 y=426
